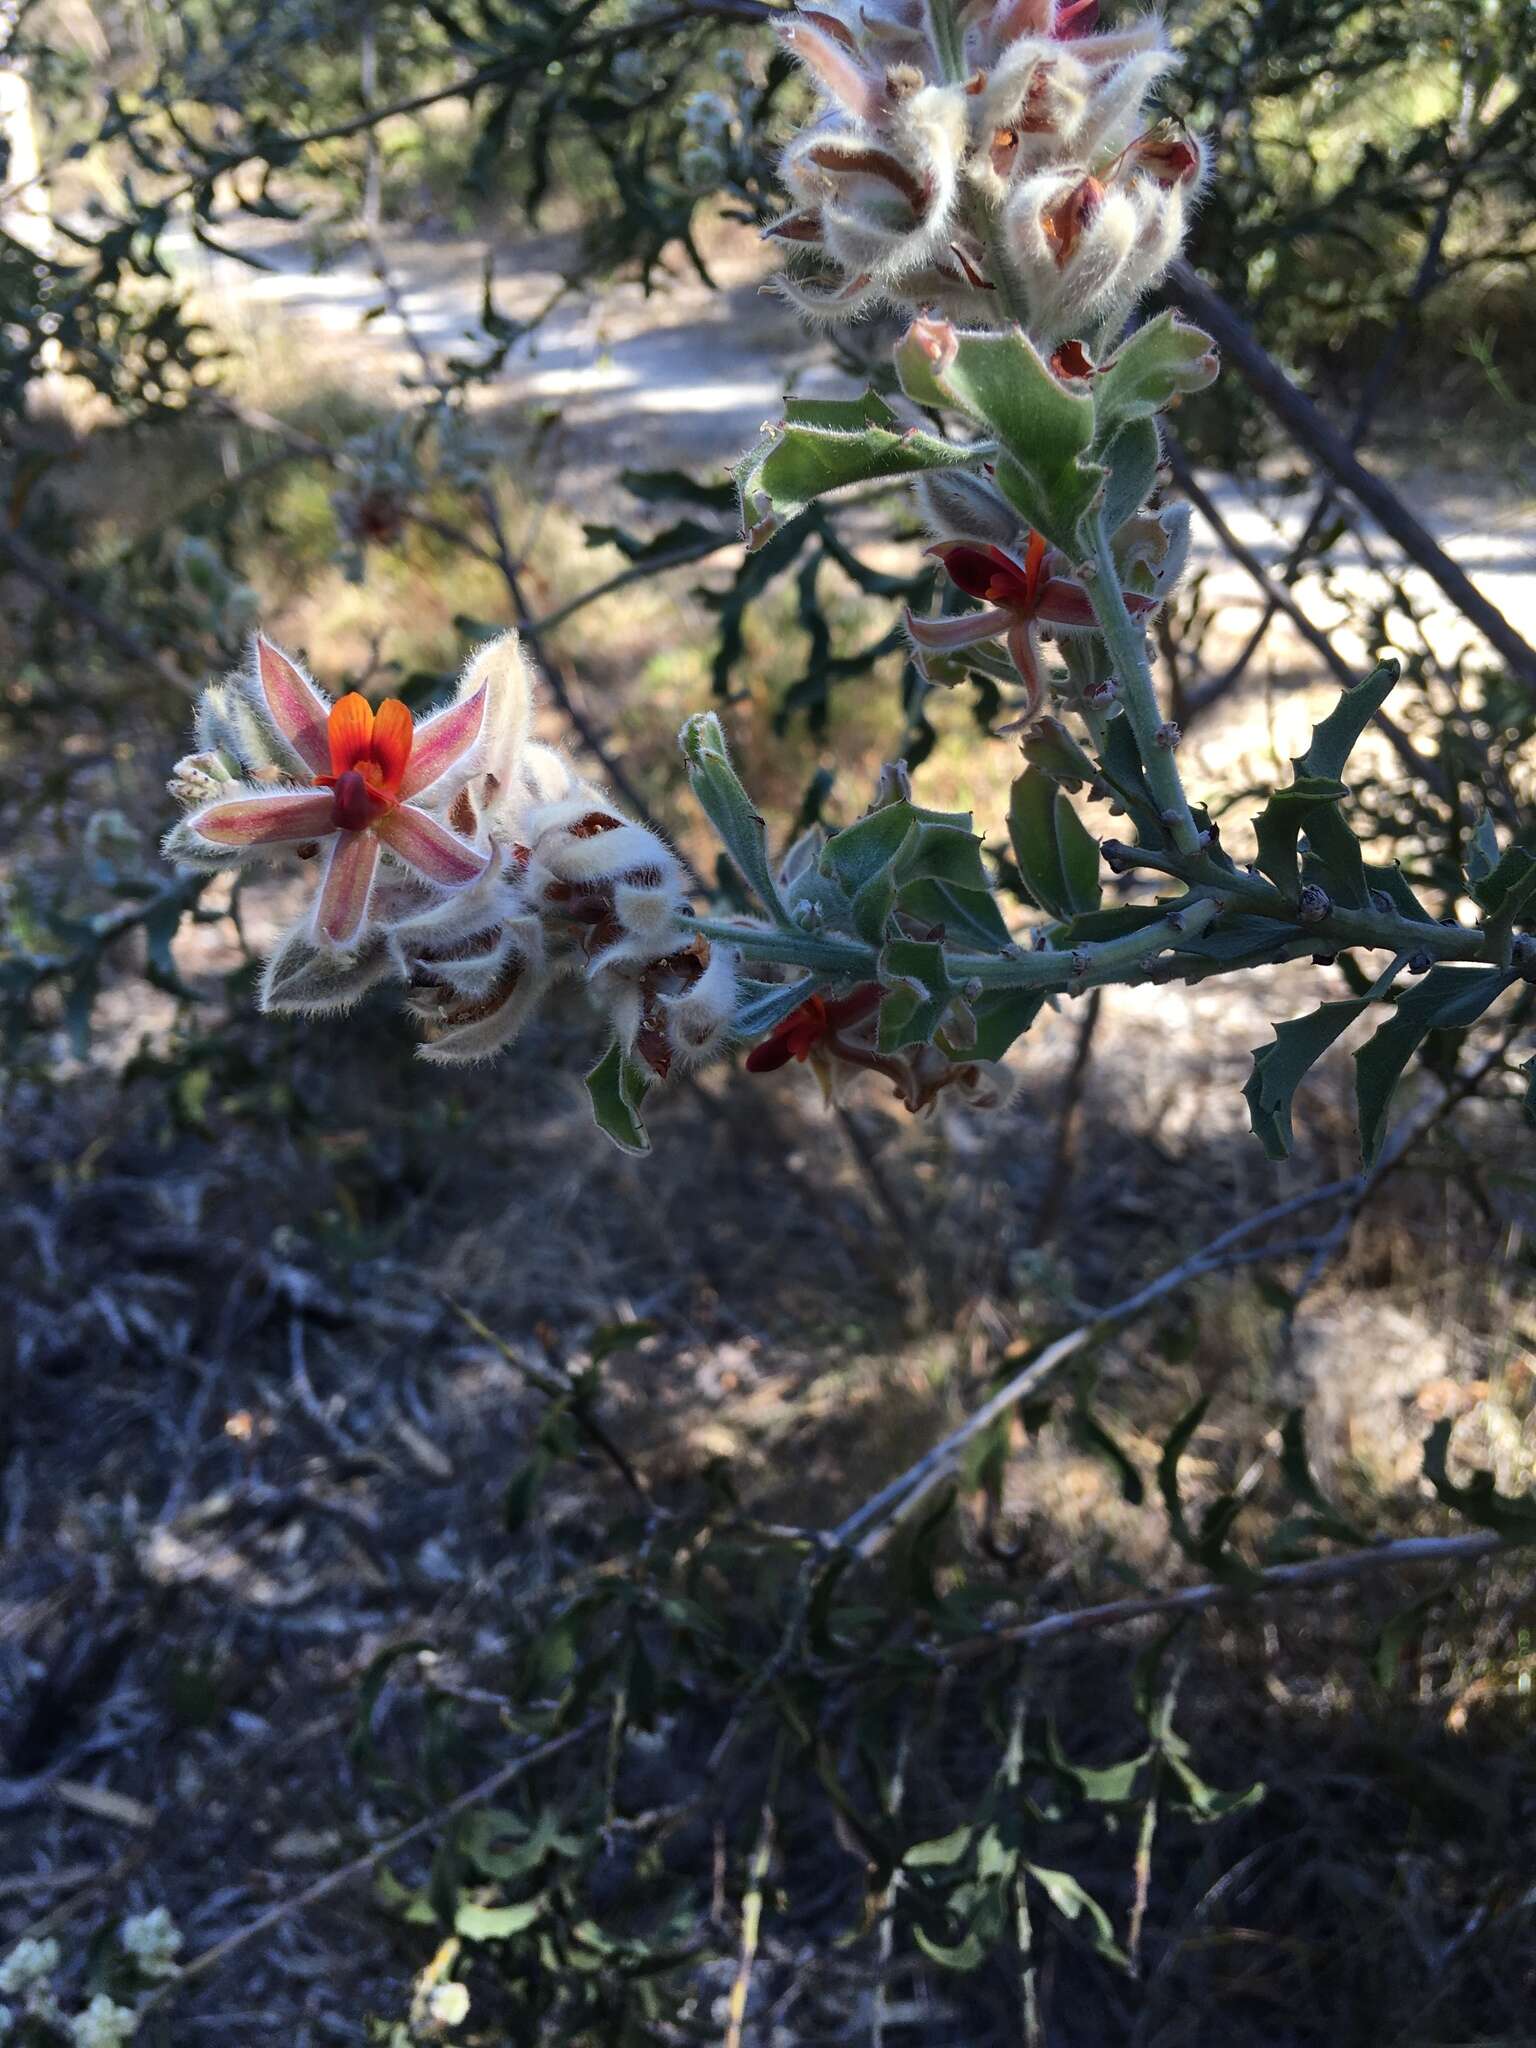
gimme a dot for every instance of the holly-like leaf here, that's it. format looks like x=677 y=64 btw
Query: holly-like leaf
x=1049 y=747
x=1072 y=1902
x=917 y=974
x=1279 y=824
x=761 y=1012
x=1161 y=360
x=867 y=847
x=1482 y=851
x=1507 y=894
x=1002 y=1016
x=1278 y=1070
x=617 y=1087
x=1131 y=461
x=825 y=445
x=1057 y=855
x=496 y=1923
x=1334 y=860
x=1447 y=999
x=1043 y=430
x=1334 y=740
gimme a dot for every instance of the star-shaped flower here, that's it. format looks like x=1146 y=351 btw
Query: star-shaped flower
x=374 y=772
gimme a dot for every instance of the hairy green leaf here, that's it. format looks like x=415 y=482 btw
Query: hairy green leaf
x=1057 y=856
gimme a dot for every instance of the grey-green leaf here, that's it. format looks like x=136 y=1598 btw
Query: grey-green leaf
x=617 y=1088
x=1279 y=1069
x=1447 y=999
x=1057 y=856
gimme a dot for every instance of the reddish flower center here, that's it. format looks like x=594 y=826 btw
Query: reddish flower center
x=810 y=1026
x=994 y=576
x=369 y=754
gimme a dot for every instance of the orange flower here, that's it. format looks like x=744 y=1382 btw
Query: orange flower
x=380 y=763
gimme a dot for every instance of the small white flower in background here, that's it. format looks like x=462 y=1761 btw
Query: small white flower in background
x=29 y=1963
x=103 y=2024
x=7 y=2021
x=445 y=2006
x=153 y=1940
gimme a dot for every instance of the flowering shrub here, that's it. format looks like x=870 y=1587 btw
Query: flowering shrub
x=995 y=174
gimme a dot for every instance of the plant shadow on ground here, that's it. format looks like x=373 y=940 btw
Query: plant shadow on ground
x=249 y=1441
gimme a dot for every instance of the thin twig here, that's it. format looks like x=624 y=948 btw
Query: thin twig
x=1407 y=1552
x=1068 y=1118
x=364 y=1865
x=902 y=1494
x=752 y=1905
x=561 y=1389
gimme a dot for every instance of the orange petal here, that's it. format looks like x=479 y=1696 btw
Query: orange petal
x=393 y=731
x=350 y=731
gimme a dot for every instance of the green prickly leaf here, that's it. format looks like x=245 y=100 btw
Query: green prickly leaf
x=1280 y=1068
x=969 y=917
x=1002 y=1016
x=872 y=906
x=1057 y=856
x=1044 y=431
x=1334 y=860
x=1447 y=999
x=1163 y=359
x=917 y=975
x=1482 y=851
x=826 y=445
x=1131 y=460
x=1506 y=895
x=1049 y=747
x=1279 y=824
x=727 y=805
x=1334 y=740
x=866 y=847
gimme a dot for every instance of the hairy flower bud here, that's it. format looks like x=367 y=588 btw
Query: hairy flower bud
x=900 y=185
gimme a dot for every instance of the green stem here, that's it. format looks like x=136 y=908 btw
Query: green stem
x=1055 y=972
x=947 y=43
x=844 y=959
x=1127 y=652
x=1381 y=930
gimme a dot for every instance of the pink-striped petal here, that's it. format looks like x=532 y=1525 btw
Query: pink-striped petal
x=282 y=818
x=294 y=705
x=834 y=68
x=343 y=905
x=431 y=849
x=943 y=634
x=442 y=741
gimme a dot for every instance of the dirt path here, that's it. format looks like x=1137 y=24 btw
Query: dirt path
x=686 y=376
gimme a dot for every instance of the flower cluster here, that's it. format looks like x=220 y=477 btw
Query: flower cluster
x=990 y=158
x=457 y=856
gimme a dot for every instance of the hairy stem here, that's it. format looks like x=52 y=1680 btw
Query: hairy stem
x=1127 y=652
